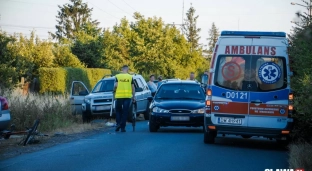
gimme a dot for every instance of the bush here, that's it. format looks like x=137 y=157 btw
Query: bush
x=76 y=74
x=303 y=128
x=300 y=54
x=59 y=80
x=95 y=75
x=52 y=80
x=300 y=156
x=54 y=112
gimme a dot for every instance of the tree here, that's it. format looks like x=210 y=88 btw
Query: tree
x=162 y=50
x=72 y=18
x=88 y=46
x=145 y=44
x=117 y=46
x=89 y=52
x=64 y=57
x=31 y=54
x=21 y=57
x=8 y=75
x=300 y=54
x=213 y=38
x=191 y=30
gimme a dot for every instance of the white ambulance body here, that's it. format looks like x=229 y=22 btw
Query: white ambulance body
x=249 y=86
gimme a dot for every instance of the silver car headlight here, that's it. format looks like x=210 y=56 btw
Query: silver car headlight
x=160 y=110
x=86 y=100
x=199 y=111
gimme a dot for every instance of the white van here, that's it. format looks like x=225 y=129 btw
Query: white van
x=248 y=91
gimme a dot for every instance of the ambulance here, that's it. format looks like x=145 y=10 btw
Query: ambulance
x=248 y=92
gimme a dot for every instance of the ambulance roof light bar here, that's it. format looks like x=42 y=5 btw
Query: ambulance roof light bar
x=253 y=33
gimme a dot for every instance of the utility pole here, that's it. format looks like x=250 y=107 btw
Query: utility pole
x=183 y=12
x=310 y=10
x=182 y=17
x=173 y=24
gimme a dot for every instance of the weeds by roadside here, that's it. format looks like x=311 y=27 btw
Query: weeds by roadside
x=300 y=156
x=54 y=112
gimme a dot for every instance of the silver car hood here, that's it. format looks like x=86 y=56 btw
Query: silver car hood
x=101 y=95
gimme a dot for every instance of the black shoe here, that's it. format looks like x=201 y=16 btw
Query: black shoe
x=123 y=130
x=117 y=128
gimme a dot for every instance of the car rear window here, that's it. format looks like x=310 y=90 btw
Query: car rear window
x=251 y=73
x=180 y=91
x=104 y=86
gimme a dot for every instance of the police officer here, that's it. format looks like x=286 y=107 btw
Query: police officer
x=192 y=76
x=151 y=85
x=124 y=91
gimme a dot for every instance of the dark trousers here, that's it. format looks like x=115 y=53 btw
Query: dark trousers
x=122 y=111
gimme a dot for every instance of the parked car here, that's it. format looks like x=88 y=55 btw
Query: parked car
x=98 y=102
x=5 y=116
x=177 y=103
x=167 y=80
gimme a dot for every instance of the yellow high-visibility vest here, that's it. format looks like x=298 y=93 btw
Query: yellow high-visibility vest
x=124 y=89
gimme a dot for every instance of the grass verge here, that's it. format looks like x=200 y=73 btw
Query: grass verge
x=300 y=156
x=54 y=112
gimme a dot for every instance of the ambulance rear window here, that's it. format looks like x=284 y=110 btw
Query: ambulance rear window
x=251 y=73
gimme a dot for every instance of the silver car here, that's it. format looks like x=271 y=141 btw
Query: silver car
x=99 y=101
x=5 y=116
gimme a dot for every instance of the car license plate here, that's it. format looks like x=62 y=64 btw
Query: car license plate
x=230 y=121
x=102 y=107
x=180 y=118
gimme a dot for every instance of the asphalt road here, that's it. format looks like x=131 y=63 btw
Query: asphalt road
x=171 y=148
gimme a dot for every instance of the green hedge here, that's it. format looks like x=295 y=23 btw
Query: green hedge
x=52 y=80
x=59 y=80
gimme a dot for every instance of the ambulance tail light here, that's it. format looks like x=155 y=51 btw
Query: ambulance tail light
x=290 y=107
x=291 y=97
x=290 y=103
x=285 y=132
x=208 y=101
x=208 y=106
x=209 y=92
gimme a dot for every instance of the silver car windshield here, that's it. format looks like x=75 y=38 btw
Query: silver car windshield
x=104 y=86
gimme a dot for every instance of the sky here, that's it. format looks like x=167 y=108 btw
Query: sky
x=22 y=16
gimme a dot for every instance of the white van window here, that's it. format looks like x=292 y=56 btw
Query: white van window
x=250 y=73
x=229 y=72
x=271 y=73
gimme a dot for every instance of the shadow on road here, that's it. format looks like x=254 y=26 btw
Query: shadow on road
x=175 y=129
x=230 y=141
x=254 y=143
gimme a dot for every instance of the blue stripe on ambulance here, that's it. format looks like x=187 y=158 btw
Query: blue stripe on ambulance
x=242 y=96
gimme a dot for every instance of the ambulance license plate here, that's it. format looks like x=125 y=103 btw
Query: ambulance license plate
x=230 y=121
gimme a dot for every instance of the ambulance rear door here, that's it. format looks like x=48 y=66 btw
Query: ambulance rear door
x=269 y=102
x=230 y=104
